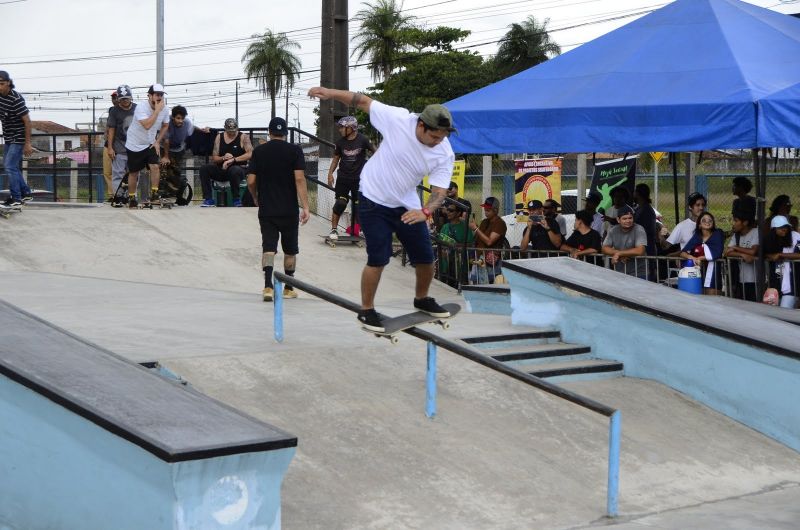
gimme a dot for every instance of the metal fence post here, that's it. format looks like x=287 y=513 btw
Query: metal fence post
x=278 y=311
x=430 y=387
x=614 y=429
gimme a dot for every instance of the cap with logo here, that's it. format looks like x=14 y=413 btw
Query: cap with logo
x=157 y=88
x=779 y=221
x=535 y=203
x=231 y=125
x=348 y=121
x=277 y=126
x=491 y=203
x=124 y=92
x=438 y=117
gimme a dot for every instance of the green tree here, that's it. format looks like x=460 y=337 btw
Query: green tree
x=524 y=46
x=380 y=37
x=270 y=59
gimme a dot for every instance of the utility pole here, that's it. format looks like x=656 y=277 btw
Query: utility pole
x=160 y=41
x=237 y=101
x=94 y=123
x=334 y=71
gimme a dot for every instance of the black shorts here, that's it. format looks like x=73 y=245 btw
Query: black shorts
x=138 y=160
x=346 y=188
x=284 y=226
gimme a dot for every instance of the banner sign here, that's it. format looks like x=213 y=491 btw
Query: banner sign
x=537 y=179
x=611 y=175
x=459 y=171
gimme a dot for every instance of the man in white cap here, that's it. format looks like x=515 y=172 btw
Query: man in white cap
x=413 y=146
x=150 y=124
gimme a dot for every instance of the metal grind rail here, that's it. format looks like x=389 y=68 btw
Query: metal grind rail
x=615 y=417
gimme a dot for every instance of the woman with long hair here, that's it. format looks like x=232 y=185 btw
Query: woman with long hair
x=705 y=246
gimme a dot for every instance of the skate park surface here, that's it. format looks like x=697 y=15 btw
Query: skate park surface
x=182 y=287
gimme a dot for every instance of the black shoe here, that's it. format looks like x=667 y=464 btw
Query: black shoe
x=133 y=203
x=429 y=305
x=371 y=321
x=11 y=202
x=27 y=198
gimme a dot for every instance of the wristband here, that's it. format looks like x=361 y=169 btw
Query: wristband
x=426 y=212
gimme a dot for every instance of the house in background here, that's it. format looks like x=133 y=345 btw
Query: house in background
x=68 y=140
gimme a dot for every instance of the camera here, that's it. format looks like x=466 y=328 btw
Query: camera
x=537 y=218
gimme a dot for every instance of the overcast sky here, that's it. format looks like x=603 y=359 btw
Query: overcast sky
x=114 y=42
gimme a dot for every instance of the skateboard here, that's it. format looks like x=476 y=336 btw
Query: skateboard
x=7 y=211
x=355 y=240
x=394 y=326
x=164 y=202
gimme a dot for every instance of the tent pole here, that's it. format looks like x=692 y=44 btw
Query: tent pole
x=674 y=158
x=760 y=200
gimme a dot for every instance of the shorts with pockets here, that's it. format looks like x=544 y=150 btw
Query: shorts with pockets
x=380 y=222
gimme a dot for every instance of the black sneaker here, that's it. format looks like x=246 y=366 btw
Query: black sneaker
x=370 y=320
x=27 y=198
x=11 y=202
x=429 y=305
x=132 y=202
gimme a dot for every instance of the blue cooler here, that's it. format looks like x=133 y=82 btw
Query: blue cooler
x=691 y=285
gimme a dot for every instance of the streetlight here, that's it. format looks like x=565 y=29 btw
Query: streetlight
x=298 y=113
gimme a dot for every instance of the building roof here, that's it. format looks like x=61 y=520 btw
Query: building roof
x=50 y=127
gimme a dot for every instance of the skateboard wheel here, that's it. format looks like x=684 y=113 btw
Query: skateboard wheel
x=445 y=325
x=394 y=339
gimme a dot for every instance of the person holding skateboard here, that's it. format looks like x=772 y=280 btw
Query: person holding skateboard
x=350 y=155
x=413 y=146
x=277 y=181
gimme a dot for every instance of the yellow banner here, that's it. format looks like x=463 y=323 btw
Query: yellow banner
x=537 y=179
x=459 y=170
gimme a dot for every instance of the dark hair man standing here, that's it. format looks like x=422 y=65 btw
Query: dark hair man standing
x=277 y=181
x=14 y=117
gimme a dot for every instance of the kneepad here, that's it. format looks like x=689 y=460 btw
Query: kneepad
x=340 y=205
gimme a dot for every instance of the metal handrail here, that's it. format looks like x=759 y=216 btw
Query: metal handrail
x=463 y=350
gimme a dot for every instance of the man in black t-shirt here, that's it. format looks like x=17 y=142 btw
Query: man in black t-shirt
x=350 y=156
x=276 y=180
x=542 y=233
x=583 y=240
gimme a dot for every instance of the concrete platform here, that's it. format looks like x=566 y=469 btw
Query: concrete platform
x=182 y=287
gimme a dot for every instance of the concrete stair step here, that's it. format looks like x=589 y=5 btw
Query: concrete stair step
x=521 y=339
x=537 y=351
x=571 y=368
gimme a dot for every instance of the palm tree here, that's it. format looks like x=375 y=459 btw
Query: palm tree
x=268 y=60
x=380 y=38
x=524 y=46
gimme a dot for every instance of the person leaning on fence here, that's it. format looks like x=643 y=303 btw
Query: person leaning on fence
x=684 y=230
x=624 y=242
x=350 y=155
x=541 y=233
x=593 y=201
x=489 y=239
x=781 y=205
x=743 y=245
x=16 y=122
x=584 y=240
x=781 y=244
x=232 y=150
x=706 y=246
x=440 y=216
x=413 y=146
x=550 y=210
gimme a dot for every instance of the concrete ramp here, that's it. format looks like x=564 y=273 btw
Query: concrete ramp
x=499 y=454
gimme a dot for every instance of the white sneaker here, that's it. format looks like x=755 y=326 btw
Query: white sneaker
x=334 y=235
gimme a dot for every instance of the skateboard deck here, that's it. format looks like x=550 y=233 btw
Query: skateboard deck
x=355 y=240
x=6 y=211
x=394 y=326
x=167 y=202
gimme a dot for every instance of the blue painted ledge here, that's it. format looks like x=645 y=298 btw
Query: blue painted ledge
x=91 y=441
x=742 y=364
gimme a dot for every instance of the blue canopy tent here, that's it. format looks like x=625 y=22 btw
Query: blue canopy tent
x=690 y=76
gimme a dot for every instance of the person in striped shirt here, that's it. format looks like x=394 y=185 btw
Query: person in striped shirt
x=17 y=135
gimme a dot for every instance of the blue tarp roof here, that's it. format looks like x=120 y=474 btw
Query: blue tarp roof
x=689 y=76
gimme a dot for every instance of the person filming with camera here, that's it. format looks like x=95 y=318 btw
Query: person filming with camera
x=542 y=233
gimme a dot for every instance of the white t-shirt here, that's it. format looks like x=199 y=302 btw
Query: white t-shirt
x=140 y=138
x=390 y=177
x=683 y=233
x=786 y=277
x=748 y=240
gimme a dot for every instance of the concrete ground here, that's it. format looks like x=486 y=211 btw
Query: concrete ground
x=182 y=287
